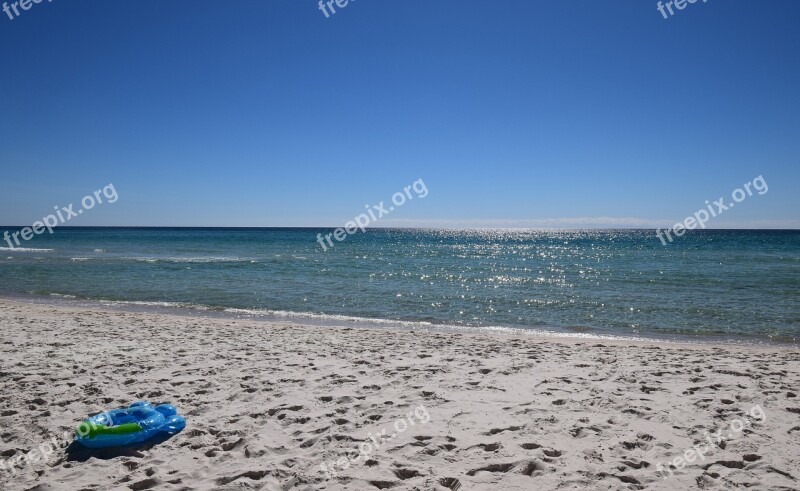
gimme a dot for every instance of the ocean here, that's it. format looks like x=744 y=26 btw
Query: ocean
x=710 y=286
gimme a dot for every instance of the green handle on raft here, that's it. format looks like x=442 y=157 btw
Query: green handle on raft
x=98 y=430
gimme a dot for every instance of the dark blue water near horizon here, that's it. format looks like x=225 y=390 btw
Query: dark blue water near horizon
x=711 y=283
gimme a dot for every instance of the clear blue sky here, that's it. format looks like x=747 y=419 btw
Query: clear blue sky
x=267 y=113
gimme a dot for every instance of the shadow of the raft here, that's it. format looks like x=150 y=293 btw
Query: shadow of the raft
x=76 y=452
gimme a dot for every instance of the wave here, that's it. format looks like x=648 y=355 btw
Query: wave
x=167 y=259
x=24 y=249
x=62 y=295
x=340 y=320
x=337 y=320
x=344 y=321
x=324 y=317
x=145 y=303
x=200 y=259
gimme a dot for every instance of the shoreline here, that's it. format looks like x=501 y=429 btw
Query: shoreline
x=269 y=404
x=336 y=321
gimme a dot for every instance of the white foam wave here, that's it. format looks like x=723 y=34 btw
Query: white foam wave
x=201 y=259
x=24 y=249
x=142 y=303
x=61 y=295
x=325 y=317
x=337 y=319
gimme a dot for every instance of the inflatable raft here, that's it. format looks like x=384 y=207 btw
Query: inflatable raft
x=136 y=424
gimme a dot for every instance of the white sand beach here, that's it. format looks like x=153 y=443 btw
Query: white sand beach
x=269 y=404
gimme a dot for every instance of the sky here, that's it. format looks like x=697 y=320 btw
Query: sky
x=559 y=113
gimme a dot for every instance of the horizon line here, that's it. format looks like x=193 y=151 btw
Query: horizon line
x=327 y=227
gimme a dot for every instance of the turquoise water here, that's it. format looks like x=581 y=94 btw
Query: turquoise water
x=723 y=284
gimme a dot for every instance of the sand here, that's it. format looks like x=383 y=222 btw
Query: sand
x=268 y=404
